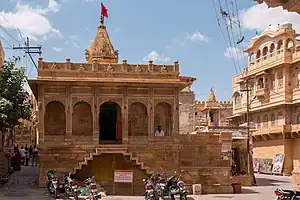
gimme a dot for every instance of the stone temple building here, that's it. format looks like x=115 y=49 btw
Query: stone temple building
x=273 y=74
x=2 y=55
x=197 y=114
x=100 y=117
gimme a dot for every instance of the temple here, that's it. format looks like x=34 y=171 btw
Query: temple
x=100 y=116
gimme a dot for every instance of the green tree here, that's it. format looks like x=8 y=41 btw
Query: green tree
x=14 y=102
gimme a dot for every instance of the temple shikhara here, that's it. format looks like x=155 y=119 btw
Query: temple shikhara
x=101 y=116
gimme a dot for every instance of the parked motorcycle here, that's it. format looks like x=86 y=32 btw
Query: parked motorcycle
x=71 y=186
x=89 y=190
x=287 y=194
x=176 y=186
x=150 y=192
x=55 y=187
x=161 y=186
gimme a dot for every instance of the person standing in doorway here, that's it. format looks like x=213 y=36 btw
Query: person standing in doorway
x=159 y=131
x=26 y=155
x=35 y=153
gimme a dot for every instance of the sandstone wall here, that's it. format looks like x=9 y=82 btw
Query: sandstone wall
x=186 y=112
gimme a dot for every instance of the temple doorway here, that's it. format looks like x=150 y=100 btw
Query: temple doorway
x=110 y=123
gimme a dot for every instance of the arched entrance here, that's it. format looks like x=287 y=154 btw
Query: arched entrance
x=110 y=123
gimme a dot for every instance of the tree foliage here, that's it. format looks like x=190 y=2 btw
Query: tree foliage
x=14 y=101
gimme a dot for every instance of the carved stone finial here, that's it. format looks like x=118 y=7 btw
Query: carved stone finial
x=124 y=61
x=176 y=62
x=212 y=96
x=40 y=58
x=81 y=67
x=150 y=62
x=68 y=59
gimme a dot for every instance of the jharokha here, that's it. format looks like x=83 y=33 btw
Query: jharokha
x=101 y=116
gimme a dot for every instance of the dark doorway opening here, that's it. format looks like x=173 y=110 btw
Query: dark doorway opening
x=108 y=122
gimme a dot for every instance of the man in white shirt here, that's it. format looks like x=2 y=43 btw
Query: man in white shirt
x=159 y=132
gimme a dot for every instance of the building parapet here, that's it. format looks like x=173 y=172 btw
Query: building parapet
x=99 y=70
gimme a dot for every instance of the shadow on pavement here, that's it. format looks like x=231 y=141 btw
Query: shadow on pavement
x=269 y=181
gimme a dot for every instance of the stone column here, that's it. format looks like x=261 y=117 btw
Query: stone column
x=288 y=160
x=151 y=111
x=69 y=111
x=175 y=123
x=125 y=108
x=95 y=111
x=41 y=113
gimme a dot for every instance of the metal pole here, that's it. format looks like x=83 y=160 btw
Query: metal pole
x=248 y=125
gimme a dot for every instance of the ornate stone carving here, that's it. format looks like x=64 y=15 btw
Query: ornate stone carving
x=110 y=68
x=81 y=68
x=59 y=98
x=169 y=101
x=163 y=69
x=140 y=100
x=88 y=99
x=53 y=66
x=114 y=99
x=138 y=68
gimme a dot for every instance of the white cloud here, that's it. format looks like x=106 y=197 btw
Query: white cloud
x=260 y=17
x=155 y=57
x=57 y=49
x=235 y=53
x=30 y=21
x=89 y=1
x=196 y=36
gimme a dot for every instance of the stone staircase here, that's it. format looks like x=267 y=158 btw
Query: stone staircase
x=112 y=149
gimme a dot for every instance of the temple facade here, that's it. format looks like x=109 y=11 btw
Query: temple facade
x=100 y=117
x=2 y=56
x=273 y=76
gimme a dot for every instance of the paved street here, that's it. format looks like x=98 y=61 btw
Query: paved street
x=22 y=185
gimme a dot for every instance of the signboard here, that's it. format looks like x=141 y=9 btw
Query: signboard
x=123 y=176
x=278 y=164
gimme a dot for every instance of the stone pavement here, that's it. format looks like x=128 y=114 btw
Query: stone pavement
x=22 y=186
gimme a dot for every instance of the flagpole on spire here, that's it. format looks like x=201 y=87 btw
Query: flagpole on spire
x=104 y=13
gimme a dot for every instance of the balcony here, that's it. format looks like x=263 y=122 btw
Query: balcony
x=261 y=92
x=273 y=129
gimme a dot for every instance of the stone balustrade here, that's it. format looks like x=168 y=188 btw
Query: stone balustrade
x=97 y=70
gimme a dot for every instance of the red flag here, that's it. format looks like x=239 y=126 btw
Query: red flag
x=104 y=12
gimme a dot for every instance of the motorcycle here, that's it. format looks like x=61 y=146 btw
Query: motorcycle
x=161 y=186
x=54 y=186
x=71 y=186
x=176 y=187
x=89 y=190
x=287 y=194
x=150 y=193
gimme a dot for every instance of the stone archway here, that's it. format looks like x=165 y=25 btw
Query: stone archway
x=82 y=119
x=55 y=118
x=163 y=117
x=137 y=120
x=110 y=123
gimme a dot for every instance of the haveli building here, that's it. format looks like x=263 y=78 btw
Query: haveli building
x=273 y=75
x=100 y=116
x=290 y=5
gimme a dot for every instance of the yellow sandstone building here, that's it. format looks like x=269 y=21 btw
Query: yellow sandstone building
x=274 y=75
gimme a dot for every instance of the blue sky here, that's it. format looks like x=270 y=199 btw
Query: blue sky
x=186 y=31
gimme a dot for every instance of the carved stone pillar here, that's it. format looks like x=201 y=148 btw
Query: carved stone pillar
x=42 y=109
x=175 y=123
x=69 y=111
x=151 y=110
x=125 y=116
x=95 y=111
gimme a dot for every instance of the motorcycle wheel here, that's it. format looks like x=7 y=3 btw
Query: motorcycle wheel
x=55 y=194
x=183 y=197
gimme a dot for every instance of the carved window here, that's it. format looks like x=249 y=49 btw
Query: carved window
x=280 y=79
x=260 y=83
x=273 y=120
x=237 y=99
x=298 y=119
x=273 y=81
x=280 y=118
x=258 y=56
x=272 y=48
x=258 y=121
x=265 y=53
x=251 y=58
x=279 y=46
x=265 y=123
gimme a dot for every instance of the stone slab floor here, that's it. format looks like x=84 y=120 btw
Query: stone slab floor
x=22 y=186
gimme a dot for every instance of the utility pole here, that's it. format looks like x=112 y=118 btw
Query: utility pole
x=249 y=135
x=28 y=48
